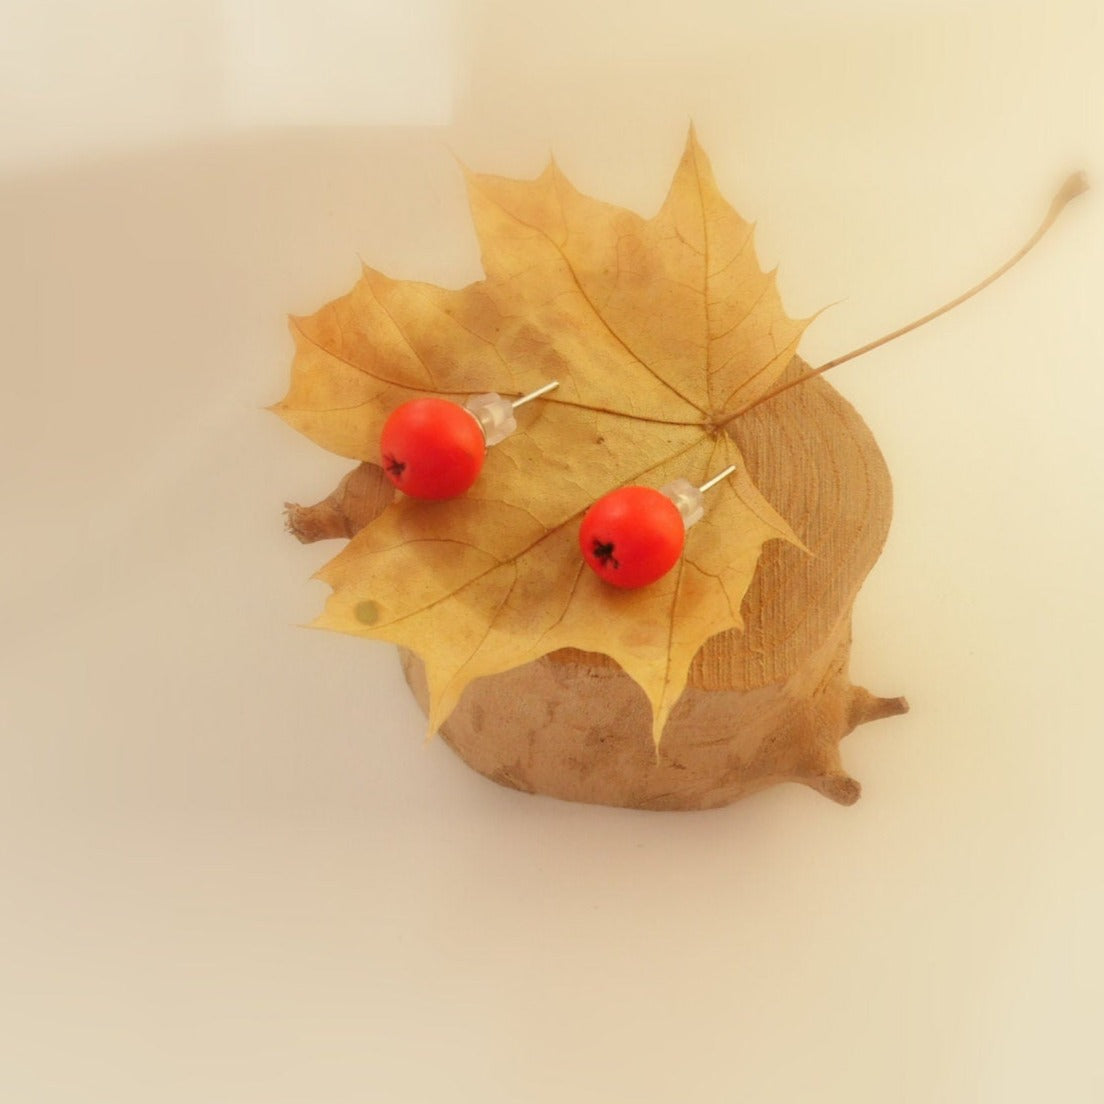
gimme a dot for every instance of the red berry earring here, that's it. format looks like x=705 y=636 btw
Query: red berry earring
x=433 y=448
x=634 y=535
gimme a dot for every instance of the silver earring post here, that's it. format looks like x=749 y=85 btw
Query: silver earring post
x=515 y=403
x=717 y=478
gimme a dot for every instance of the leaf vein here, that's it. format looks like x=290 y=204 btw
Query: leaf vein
x=593 y=307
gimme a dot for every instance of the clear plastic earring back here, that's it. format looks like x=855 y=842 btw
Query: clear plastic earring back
x=495 y=414
x=689 y=499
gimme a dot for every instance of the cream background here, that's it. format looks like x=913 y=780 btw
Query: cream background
x=231 y=871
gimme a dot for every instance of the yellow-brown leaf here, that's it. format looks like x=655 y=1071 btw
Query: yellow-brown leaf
x=657 y=330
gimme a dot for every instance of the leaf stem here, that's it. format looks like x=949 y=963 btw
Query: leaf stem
x=1073 y=187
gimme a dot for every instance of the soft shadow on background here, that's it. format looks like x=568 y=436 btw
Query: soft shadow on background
x=231 y=868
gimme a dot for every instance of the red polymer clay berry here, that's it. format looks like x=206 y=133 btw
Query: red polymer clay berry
x=632 y=536
x=432 y=448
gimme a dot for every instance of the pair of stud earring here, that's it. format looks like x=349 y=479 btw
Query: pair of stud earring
x=434 y=449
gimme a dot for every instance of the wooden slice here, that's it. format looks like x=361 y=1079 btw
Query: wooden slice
x=766 y=705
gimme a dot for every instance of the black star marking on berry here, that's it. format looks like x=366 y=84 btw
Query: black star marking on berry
x=603 y=553
x=394 y=467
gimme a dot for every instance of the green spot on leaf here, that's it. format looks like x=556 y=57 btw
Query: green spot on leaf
x=367 y=613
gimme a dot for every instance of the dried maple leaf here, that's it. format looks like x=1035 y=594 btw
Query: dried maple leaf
x=659 y=331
